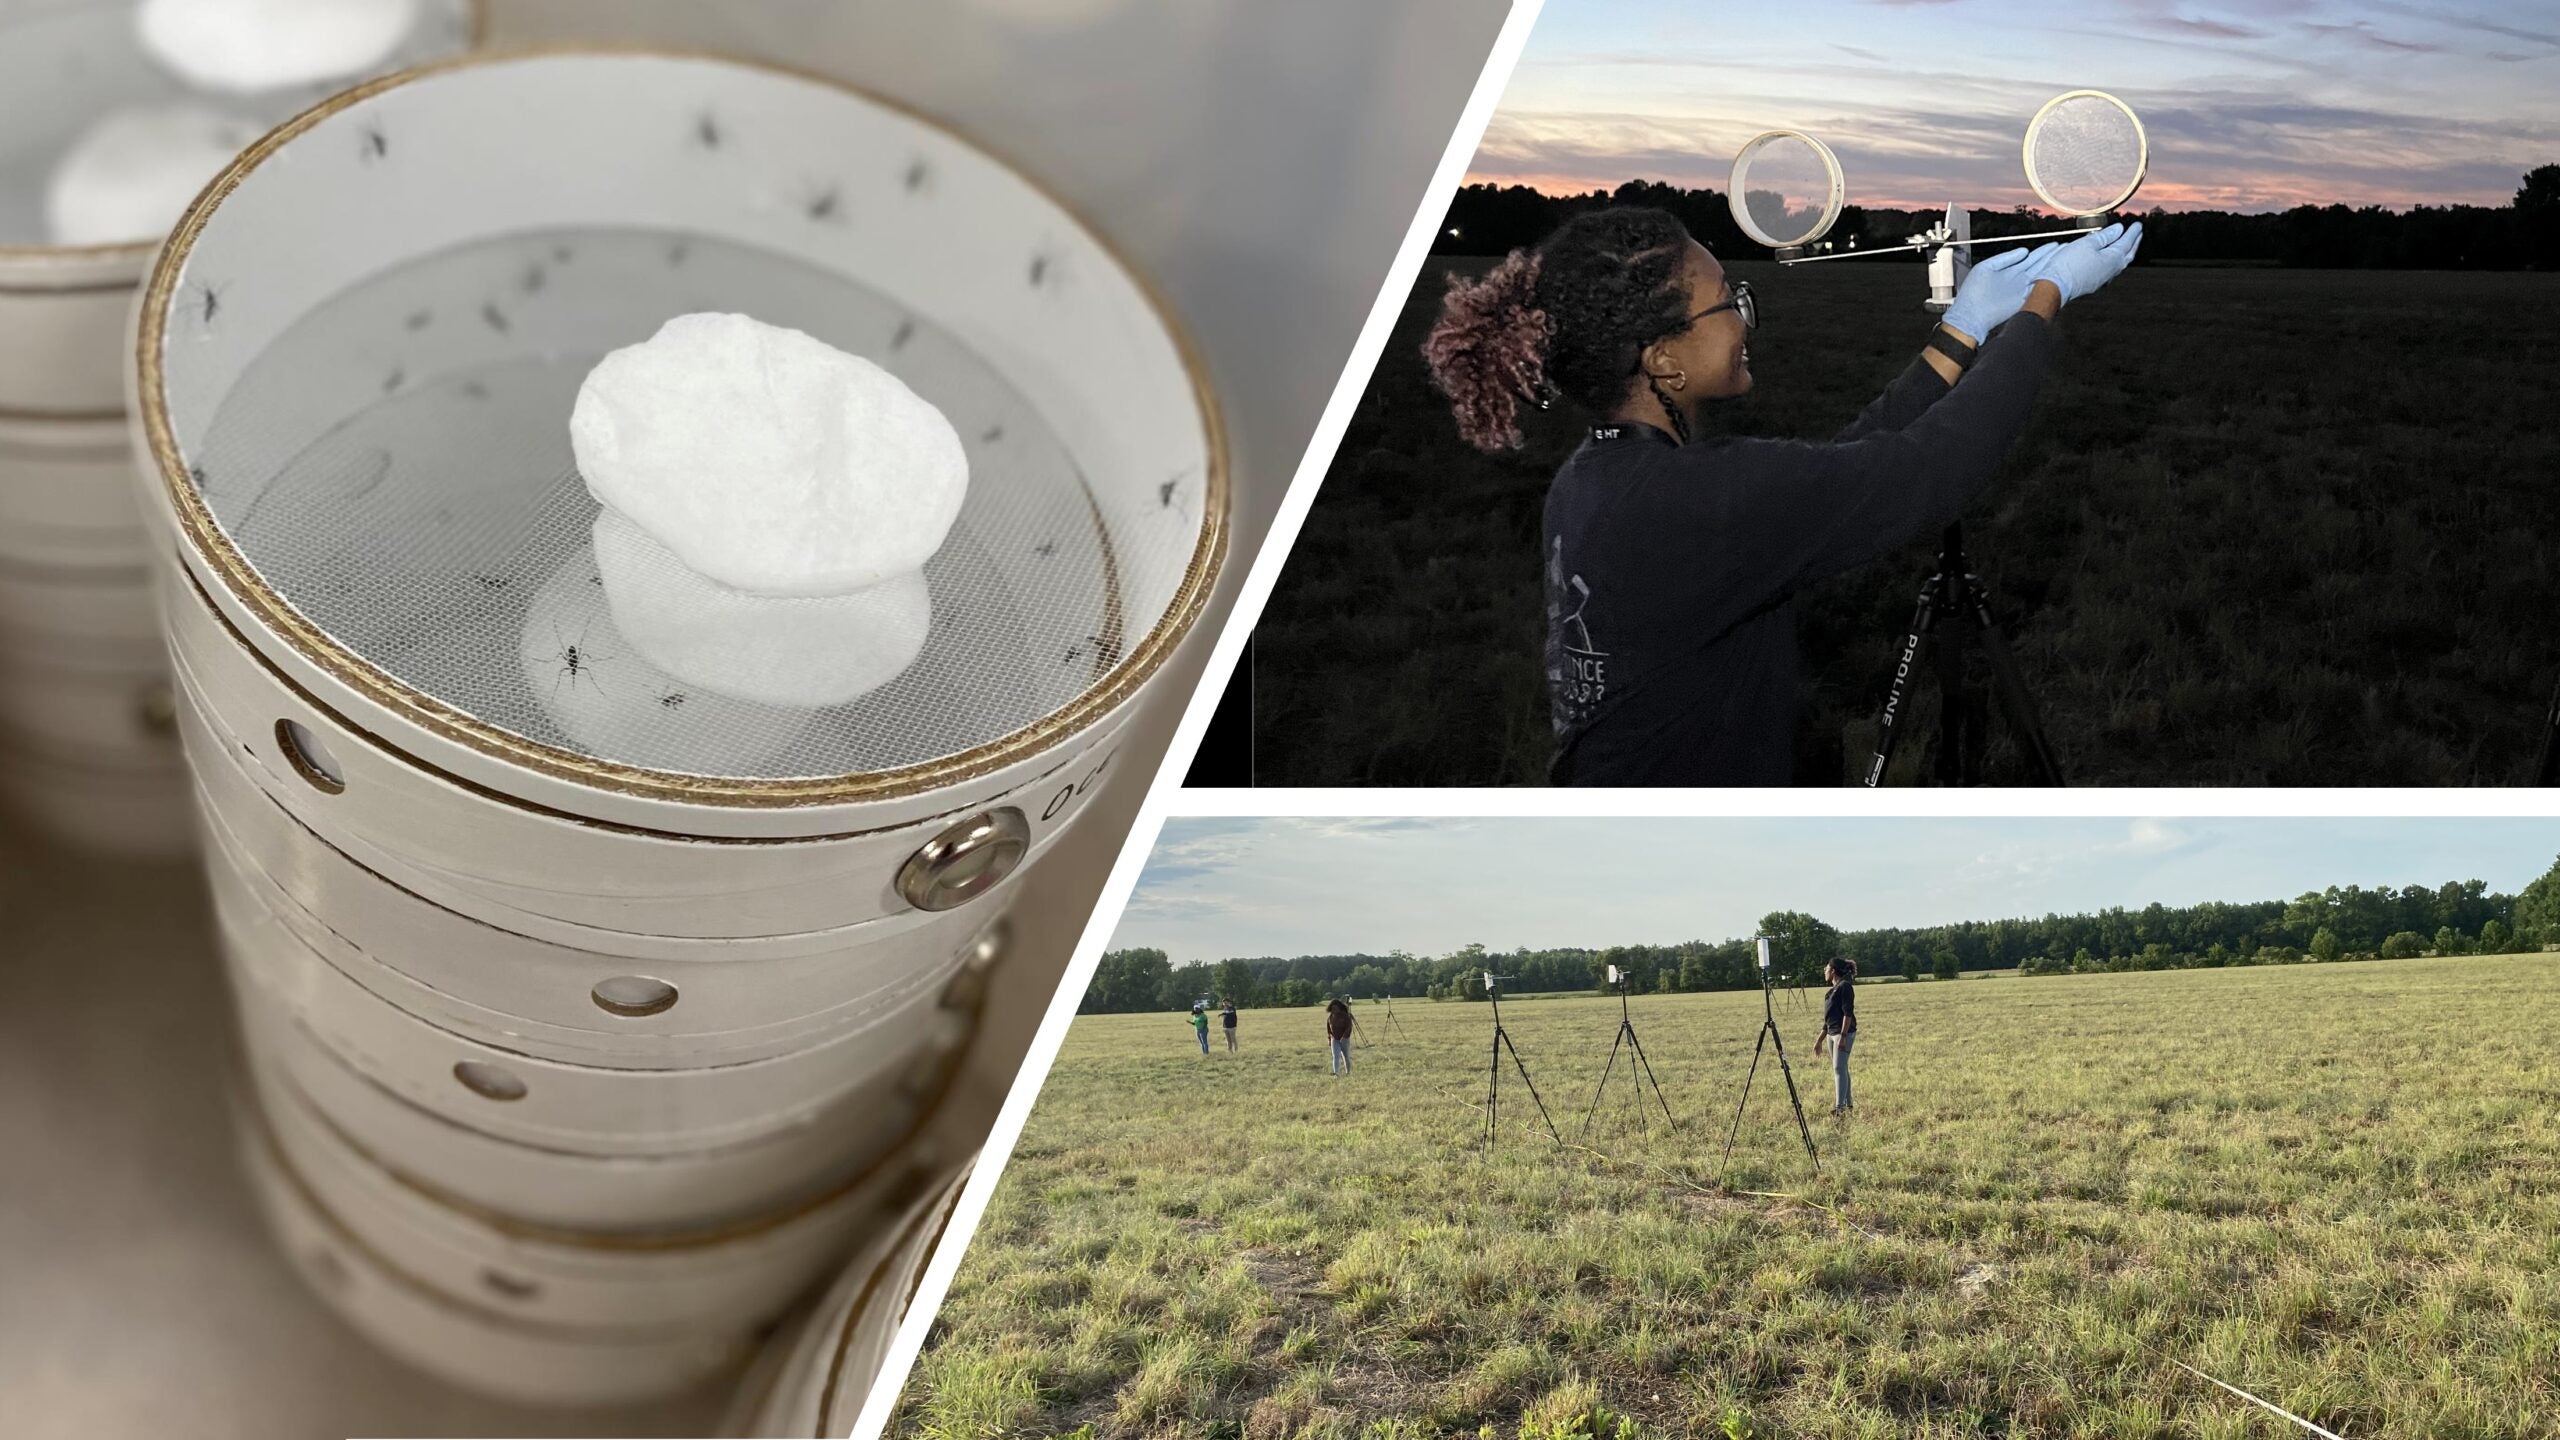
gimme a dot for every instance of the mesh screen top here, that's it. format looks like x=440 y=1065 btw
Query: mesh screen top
x=2086 y=154
x=437 y=529
x=1786 y=189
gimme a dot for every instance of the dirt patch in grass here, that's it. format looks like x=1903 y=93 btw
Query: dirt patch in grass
x=1293 y=1280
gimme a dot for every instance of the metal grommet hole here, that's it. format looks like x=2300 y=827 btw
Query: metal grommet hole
x=488 y=1080
x=509 y=1287
x=156 y=710
x=632 y=996
x=309 y=758
x=966 y=860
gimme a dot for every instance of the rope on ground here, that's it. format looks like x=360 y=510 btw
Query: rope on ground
x=1685 y=1182
x=2261 y=1404
x=2268 y=1406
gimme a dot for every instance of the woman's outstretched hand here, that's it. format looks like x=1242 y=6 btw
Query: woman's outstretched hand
x=2089 y=262
x=1993 y=290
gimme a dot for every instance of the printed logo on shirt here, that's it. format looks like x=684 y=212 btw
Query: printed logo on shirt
x=1577 y=668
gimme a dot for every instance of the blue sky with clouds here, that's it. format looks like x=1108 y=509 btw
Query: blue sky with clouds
x=2250 y=104
x=1220 y=887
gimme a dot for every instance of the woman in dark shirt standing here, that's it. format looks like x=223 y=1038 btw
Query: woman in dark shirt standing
x=1840 y=1025
x=1672 y=558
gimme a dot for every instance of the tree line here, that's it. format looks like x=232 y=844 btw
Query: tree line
x=2351 y=922
x=2522 y=235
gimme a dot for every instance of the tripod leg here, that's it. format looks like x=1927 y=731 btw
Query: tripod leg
x=1635 y=1087
x=1533 y=1090
x=1493 y=1091
x=1804 y=1127
x=1647 y=1063
x=1603 y=1087
x=1897 y=696
x=1956 y=732
x=1747 y=1077
x=2548 y=772
x=2020 y=707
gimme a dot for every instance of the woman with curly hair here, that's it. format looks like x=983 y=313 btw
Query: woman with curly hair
x=1673 y=556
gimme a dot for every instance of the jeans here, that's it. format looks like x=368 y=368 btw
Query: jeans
x=1840 y=1070
x=1204 y=1042
x=1342 y=1055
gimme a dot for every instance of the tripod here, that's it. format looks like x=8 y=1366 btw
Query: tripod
x=1392 y=1023
x=1636 y=1077
x=1493 y=1085
x=1769 y=1035
x=2548 y=773
x=1955 y=608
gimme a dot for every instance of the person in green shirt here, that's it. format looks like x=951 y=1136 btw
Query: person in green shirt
x=1200 y=1023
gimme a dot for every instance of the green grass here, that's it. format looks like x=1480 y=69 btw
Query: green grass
x=2335 y=1186
x=2268 y=527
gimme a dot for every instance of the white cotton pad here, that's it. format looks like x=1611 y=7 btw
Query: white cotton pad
x=245 y=46
x=609 y=700
x=130 y=176
x=778 y=650
x=766 y=459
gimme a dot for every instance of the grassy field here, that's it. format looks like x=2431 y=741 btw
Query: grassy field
x=2269 y=527
x=2335 y=1186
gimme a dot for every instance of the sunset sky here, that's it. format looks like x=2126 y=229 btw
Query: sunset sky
x=2250 y=104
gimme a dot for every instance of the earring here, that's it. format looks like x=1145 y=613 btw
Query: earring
x=1678 y=380
x=1671 y=412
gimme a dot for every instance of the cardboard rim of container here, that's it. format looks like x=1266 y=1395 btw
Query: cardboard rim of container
x=613 y=1041
x=600 y=886
x=117 y=265
x=293 y=1214
x=564 y=1104
x=744 y=1283
x=904 y=1148
x=939 y=1213
x=301 y=845
x=237 y=583
x=806 y=1366
x=628 y=1195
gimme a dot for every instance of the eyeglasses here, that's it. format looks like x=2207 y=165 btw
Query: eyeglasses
x=1741 y=304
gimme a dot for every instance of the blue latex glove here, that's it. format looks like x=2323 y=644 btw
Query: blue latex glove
x=2091 y=261
x=1993 y=290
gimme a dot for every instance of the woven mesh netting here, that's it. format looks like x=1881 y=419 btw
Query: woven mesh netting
x=1785 y=189
x=437 y=527
x=2086 y=154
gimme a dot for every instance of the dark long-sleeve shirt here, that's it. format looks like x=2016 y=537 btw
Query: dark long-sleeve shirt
x=1672 y=569
x=1840 y=1009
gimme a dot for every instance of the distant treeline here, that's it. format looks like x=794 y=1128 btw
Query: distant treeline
x=2523 y=235
x=2459 y=917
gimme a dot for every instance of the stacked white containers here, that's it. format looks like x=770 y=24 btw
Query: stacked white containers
x=88 y=743
x=591 y=1011
x=816 y=1377
x=87 y=747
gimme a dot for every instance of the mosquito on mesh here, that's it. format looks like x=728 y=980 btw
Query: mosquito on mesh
x=577 y=661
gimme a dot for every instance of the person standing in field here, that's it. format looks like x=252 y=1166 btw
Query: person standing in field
x=1337 y=1030
x=1674 y=555
x=1839 y=1026
x=1200 y=1023
x=1227 y=1018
